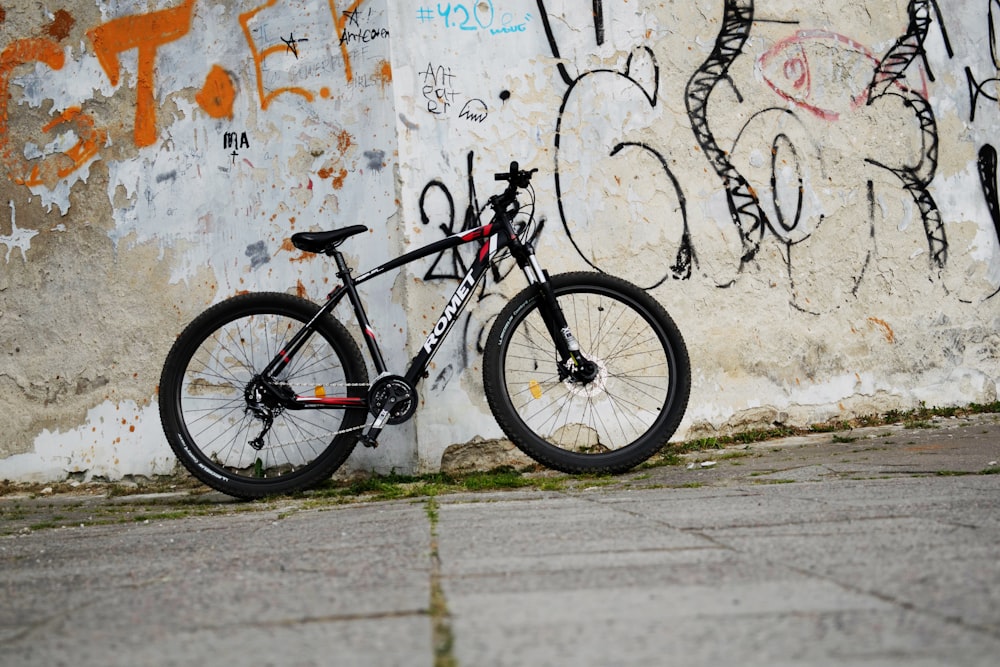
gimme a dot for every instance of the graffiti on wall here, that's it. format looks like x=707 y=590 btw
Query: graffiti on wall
x=716 y=135
x=474 y=17
x=981 y=89
x=90 y=139
x=766 y=202
x=286 y=62
x=437 y=208
x=767 y=198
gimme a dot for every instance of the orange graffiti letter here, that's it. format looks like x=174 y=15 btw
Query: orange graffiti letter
x=259 y=56
x=216 y=96
x=145 y=32
x=89 y=139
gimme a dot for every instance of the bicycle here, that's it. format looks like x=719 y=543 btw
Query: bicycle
x=268 y=393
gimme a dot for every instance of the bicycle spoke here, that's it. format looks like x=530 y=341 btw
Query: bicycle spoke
x=624 y=404
x=236 y=430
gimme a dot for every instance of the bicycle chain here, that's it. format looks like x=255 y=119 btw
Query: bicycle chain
x=341 y=384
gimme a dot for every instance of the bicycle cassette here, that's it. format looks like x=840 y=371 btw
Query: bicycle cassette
x=393 y=393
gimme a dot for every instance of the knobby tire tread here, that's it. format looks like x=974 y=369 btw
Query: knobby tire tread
x=203 y=327
x=615 y=461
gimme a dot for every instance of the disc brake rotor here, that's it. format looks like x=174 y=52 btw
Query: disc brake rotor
x=592 y=388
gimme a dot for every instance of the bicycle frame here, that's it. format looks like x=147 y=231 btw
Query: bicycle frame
x=495 y=236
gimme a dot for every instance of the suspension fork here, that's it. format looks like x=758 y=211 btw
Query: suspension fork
x=573 y=362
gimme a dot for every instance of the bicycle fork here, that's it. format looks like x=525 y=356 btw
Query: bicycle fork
x=573 y=362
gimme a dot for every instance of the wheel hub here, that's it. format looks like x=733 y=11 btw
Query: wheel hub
x=591 y=380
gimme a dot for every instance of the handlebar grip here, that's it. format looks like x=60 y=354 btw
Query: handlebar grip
x=519 y=178
x=509 y=175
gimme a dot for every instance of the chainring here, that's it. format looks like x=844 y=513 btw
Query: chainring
x=389 y=387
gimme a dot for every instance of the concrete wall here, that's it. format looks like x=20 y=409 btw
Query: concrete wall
x=810 y=188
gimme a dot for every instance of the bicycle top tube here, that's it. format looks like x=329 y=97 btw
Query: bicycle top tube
x=504 y=207
x=491 y=231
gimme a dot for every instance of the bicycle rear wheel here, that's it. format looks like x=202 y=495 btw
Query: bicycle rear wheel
x=617 y=419
x=235 y=437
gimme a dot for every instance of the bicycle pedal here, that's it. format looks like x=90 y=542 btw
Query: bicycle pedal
x=368 y=441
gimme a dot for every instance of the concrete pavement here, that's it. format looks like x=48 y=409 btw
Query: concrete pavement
x=871 y=547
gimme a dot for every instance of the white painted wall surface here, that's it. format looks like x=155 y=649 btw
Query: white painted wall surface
x=809 y=188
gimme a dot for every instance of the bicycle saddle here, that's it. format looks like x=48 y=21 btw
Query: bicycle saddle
x=325 y=242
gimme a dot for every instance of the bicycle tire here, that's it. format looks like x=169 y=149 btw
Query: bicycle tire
x=206 y=414
x=621 y=418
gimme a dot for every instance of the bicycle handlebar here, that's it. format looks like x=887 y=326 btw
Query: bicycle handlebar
x=517 y=177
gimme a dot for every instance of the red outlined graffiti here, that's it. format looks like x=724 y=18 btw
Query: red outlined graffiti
x=786 y=69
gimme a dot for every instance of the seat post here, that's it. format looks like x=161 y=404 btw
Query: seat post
x=343 y=270
x=344 y=273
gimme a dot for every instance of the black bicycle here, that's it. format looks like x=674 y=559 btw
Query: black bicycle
x=267 y=393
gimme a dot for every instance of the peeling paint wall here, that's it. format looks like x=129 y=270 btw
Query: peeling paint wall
x=809 y=188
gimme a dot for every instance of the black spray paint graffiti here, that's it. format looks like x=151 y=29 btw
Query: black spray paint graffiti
x=257 y=252
x=598 y=21
x=888 y=80
x=683 y=257
x=988 y=154
x=744 y=208
x=988 y=178
x=360 y=33
x=786 y=203
x=449 y=265
x=235 y=142
x=979 y=89
x=292 y=44
x=784 y=148
x=438 y=89
x=375 y=160
x=452 y=265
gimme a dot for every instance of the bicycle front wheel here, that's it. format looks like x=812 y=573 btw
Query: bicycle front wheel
x=613 y=421
x=237 y=437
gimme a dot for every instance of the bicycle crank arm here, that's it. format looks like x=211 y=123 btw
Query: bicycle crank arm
x=370 y=437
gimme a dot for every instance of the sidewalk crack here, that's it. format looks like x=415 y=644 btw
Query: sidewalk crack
x=442 y=637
